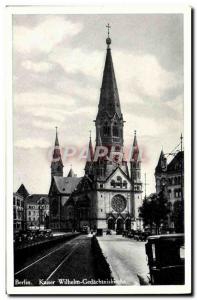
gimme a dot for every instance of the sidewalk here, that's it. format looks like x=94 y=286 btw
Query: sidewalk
x=126 y=257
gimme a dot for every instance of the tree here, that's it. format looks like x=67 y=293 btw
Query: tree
x=178 y=216
x=154 y=210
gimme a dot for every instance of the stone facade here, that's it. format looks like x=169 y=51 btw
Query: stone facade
x=170 y=178
x=109 y=194
x=37 y=211
x=18 y=211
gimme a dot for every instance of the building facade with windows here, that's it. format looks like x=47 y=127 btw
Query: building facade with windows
x=18 y=211
x=19 y=208
x=170 y=178
x=37 y=211
x=110 y=192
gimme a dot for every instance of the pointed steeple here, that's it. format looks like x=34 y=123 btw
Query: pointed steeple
x=56 y=164
x=90 y=155
x=135 y=165
x=135 y=153
x=109 y=97
x=161 y=165
x=71 y=173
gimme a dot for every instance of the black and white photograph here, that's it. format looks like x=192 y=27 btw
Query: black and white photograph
x=99 y=137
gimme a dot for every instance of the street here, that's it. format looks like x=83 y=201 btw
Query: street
x=126 y=258
x=70 y=261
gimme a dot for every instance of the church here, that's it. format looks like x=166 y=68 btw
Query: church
x=110 y=192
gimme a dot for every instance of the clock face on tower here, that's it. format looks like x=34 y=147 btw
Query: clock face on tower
x=118 y=203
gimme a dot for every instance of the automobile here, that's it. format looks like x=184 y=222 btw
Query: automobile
x=84 y=229
x=131 y=233
x=99 y=232
x=118 y=231
x=108 y=232
x=143 y=236
x=125 y=233
x=137 y=235
x=166 y=259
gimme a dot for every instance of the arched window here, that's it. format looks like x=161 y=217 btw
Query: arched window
x=106 y=129
x=119 y=178
x=125 y=184
x=115 y=130
x=113 y=183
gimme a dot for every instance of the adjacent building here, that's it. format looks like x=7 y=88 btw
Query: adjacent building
x=170 y=178
x=110 y=192
x=19 y=208
x=37 y=211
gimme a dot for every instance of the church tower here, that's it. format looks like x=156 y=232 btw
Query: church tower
x=56 y=164
x=136 y=183
x=109 y=122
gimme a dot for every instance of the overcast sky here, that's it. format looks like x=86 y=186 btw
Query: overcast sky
x=57 y=71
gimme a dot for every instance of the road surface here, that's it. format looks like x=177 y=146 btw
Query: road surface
x=68 y=263
x=126 y=258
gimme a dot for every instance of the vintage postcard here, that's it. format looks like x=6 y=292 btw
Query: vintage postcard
x=98 y=150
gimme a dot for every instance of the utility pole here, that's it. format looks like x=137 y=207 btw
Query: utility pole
x=145 y=184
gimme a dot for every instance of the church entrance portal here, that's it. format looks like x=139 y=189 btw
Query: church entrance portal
x=120 y=225
x=111 y=224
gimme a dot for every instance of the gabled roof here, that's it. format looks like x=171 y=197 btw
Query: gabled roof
x=22 y=191
x=66 y=185
x=176 y=163
x=34 y=198
x=112 y=174
x=160 y=163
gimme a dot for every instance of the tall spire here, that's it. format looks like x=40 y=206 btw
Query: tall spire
x=135 y=153
x=90 y=150
x=56 y=164
x=109 y=97
x=56 y=137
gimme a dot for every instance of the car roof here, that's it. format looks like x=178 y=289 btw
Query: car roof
x=166 y=236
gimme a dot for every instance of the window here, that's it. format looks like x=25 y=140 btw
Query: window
x=175 y=181
x=14 y=201
x=18 y=202
x=29 y=213
x=113 y=184
x=101 y=185
x=106 y=129
x=115 y=130
x=125 y=184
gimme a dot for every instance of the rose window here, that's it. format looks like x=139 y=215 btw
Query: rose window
x=118 y=203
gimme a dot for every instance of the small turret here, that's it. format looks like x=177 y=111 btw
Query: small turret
x=90 y=157
x=56 y=164
x=135 y=161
